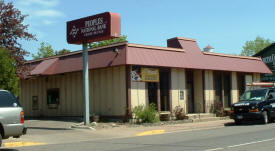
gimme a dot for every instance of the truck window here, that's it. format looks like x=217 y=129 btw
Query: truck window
x=7 y=99
x=272 y=93
x=254 y=95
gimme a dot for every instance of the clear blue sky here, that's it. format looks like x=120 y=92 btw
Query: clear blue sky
x=224 y=24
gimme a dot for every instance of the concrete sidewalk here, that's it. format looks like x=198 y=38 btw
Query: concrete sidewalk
x=57 y=131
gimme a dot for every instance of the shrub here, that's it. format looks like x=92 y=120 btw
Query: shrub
x=146 y=114
x=179 y=113
x=218 y=108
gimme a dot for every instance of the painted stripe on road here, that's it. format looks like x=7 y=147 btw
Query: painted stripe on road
x=21 y=144
x=153 y=132
x=214 y=149
x=244 y=144
x=266 y=140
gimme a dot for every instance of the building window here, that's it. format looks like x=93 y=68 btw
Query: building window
x=241 y=83
x=222 y=83
x=53 y=97
x=35 y=105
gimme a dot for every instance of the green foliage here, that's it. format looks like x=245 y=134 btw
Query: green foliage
x=252 y=47
x=146 y=114
x=8 y=77
x=107 y=42
x=12 y=33
x=46 y=50
x=62 y=52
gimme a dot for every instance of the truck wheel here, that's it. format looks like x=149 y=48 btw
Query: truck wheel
x=265 y=119
x=238 y=122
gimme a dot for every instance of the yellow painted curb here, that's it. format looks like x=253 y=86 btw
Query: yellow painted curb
x=153 y=132
x=21 y=144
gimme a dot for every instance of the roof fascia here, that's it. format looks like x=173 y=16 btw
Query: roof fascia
x=231 y=56
x=155 y=47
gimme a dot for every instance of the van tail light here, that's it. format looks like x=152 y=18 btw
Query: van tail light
x=22 y=117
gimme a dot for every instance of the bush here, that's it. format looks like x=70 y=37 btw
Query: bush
x=179 y=113
x=146 y=114
x=8 y=78
x=218 y=108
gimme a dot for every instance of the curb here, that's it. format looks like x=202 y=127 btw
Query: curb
x=82 y=127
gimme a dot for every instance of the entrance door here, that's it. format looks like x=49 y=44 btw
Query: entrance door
x=153 y=92
x=164 y=80
x=190 y=91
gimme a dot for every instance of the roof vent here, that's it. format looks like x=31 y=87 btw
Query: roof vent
x=208 y=49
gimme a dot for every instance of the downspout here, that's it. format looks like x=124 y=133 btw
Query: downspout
x=128 y=113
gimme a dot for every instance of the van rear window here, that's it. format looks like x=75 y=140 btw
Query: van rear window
x=7 y=99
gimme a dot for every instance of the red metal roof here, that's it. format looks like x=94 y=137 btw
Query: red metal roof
x=230 y=63
x=42 y=67
x=72 y=62
x=151 y=57
x=97 y=59
x=193 y=58
x=180 y=53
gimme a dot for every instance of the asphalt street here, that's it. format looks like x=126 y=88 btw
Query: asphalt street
x=252 y=137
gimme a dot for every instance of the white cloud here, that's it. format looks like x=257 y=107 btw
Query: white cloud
x=45 y=3
x=48 y=22
x=42 y=13
x=48 y=13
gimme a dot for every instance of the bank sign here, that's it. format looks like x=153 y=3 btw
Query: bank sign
x=269 y=59
x=94 y=28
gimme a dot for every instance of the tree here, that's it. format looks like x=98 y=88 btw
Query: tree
x=44 y=51
x=108 y=42
x=8 y=77
x=252 y=47
x=12 y=30
x=62 y=51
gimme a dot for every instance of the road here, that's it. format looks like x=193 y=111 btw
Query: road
x=231 y=137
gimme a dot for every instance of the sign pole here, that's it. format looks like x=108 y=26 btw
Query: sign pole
x=94 y=28
x=86 y=84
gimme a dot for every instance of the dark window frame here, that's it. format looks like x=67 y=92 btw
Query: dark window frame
x=35 y=104
x=53 y=97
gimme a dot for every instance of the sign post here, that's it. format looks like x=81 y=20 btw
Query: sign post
x=91 y=29
x=86 y=93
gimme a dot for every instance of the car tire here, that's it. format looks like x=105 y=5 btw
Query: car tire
x=266 y=118
x=0 y=140
x=238 y=122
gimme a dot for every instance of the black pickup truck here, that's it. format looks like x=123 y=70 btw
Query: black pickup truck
x=255 y=104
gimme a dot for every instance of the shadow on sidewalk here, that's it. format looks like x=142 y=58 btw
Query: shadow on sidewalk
x=7 y=149
x=61 y=119
x=245 y=123
x=48 y=128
